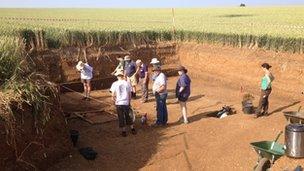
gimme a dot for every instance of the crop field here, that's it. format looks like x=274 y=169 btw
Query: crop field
x=286 y=22
x=271 y=28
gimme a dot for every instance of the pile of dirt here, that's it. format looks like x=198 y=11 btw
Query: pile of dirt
x=34 y=149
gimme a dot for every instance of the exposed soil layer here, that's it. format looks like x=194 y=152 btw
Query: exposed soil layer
x=35 y=150
x=220 y=76
x=59 y=65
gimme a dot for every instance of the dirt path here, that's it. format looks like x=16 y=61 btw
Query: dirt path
x=204 y=144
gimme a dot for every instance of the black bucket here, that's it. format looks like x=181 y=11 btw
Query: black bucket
x=74 y=136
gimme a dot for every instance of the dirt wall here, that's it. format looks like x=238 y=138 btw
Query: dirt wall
x=241 y=68
x=59 y=65
x=35 y=151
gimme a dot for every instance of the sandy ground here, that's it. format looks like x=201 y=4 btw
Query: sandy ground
x=206 y=143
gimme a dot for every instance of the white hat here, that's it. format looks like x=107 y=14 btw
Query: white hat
x=119 y=59
x=127 y=58
x=138 y=61
x=154 y=61
x=119 y=73
x=79 y=65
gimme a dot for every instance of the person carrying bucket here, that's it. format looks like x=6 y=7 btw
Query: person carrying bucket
x=121 y=95
x=182 y=91
x=86 y=75
x=266 y=88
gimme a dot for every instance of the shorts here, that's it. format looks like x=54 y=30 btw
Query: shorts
x=124 y=117
x=132 y=80
x=87 y=81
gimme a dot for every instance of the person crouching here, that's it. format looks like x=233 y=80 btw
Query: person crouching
x=121 y=95
x=86 y=75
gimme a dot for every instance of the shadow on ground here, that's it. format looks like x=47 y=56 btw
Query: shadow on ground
x=114 y=151
x=280 y=109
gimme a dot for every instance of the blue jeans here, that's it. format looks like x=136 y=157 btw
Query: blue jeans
x=161 y=108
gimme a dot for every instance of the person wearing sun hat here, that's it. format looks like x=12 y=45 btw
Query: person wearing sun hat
x=120 y=65
x=155 y=62
x=121 y=95
x=86 y=75
x=130 y=73
x=160 y=92
x=266 y=88
x=182 y=90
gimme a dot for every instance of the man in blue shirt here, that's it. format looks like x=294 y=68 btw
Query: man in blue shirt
x=183 y=91
x=130 y=74
x=143 y=79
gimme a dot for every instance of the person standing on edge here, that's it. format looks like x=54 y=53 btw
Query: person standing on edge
x=86 y=75
x=160 y=92
x=130 y=74
x=143 y=80
x=266 y=89
x=121 y=95
x=182 y=91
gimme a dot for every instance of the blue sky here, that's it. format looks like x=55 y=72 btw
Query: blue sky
x=142 y=3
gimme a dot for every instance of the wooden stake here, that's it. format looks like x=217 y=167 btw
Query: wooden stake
x=173 y=20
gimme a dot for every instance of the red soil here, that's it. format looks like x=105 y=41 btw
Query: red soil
x=206 y=143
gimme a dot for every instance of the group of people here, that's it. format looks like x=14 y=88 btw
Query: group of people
x=130 y=73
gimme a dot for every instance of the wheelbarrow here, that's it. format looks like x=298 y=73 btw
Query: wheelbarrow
x=268 y=152
x=294 y=117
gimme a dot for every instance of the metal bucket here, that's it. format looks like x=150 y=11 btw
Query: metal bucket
x=294 y=140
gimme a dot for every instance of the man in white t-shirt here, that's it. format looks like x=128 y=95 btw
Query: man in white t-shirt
x=121 y=95
x=86 y=75
x=160 y=92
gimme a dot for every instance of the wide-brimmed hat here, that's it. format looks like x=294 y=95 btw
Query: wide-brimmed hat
x=266 y=65
x=127 y=58
x=156 y=68
x=120 y=59
x=119 y=73
x=79 y=65
x=182 y=68
x=154 y=61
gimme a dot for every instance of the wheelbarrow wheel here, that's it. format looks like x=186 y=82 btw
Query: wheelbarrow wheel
x=263 y=165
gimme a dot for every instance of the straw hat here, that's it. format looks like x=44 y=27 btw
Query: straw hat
x=182 y=68
x=79 y=65
x=119 y=73
x=127 y=58
x=154 y=61
x=120 y=59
